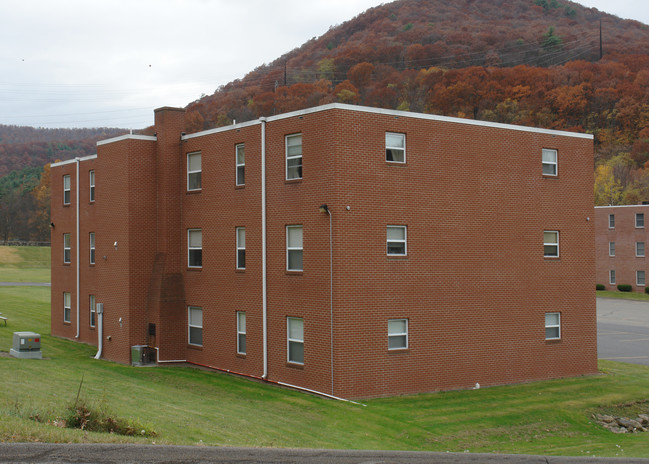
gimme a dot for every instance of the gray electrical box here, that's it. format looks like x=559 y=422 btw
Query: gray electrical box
x=26 y=345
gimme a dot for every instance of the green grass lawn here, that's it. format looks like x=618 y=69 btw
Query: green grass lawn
x=622 y=295
x=191 y=406
x=24 y=264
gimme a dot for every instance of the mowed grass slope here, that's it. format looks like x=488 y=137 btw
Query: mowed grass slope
x=24 y=264
x=191 y=406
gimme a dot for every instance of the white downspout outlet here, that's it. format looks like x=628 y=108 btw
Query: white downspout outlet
x=100 y=329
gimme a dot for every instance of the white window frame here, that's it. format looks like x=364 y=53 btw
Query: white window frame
x=551 y=165
x=67 y=307
x=403 y=241
x=640 y=278
x=611 y=277
x=195 y=173
x=240 y=162
x=91 y=181
x=639 y=249
x=611 y=221
x=292 y=248
x=390 y=148
x=93 y=310
x=67 y=248
x=553 y=244
x=639 y=217
x=241 y=332
x=392 y=335
x=67 y=189
x=91 y=240
x=240 y=233
x=611 y=248
x=191 y=248
x=191 y=324
x=291 y=157
x=292 y=339
x=552 y=326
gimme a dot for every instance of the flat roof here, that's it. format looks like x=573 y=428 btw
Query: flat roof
x=73 y=160
x=396 y=113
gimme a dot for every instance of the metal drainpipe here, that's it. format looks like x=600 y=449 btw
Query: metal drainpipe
x=331 y=300
x=264 y=283
x=77 y=252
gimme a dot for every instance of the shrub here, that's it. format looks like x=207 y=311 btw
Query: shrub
x=646 y=289
x=624 y=287
x=600 y=287
x=81 y=415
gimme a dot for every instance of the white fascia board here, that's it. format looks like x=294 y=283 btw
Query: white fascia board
x=623 y=206
x=148 y=138
x=73 y=160
x=221 y=129
x=429 y=117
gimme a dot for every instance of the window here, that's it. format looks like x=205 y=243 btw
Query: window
x=295 y=327
x=639 y=220
x=92 y=247
x=551 y=244
x=241 y=247
x=552 y=326
x=294 y=156
x=395 y=147
x=611 y=276
x=639 y=249
x=67 y=306
x=639 y=278
x=92 y=185
x=67 y=249
x=549 y=162
x=193 y=171
x=93 y=311
x=611 y=221
x=195 y=319
x=611 y=248
x=397 y=334
x=294 y=248
x=195 y=247
x=66 y=190
x=241 y=332
x=241 y=164
x=396 y=240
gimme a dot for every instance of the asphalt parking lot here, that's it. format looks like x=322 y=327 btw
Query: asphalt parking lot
x=623 y=330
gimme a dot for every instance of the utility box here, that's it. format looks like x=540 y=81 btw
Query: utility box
x=141 y=355
x=26 y=345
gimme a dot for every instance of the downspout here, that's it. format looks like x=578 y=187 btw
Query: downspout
x=100 y=329
x=77 y=252
x=331 y=300
x=264 y=284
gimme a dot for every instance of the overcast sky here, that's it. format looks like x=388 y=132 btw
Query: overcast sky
x=97 y=63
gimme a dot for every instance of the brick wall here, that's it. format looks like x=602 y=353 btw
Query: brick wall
x=624 y=235
x=474 y=286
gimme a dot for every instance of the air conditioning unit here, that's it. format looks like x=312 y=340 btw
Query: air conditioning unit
x=26 y=345
x=141 y=355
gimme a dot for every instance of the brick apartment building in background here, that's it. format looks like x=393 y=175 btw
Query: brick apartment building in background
x=620 y=240
x=352 y=251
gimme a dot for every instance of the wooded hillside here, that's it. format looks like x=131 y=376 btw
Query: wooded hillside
x=529 y=62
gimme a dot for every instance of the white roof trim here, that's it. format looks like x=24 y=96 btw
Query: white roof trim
x=128 y=137
x=73 y=160
x=221 y=129
x=623 y=206
x=429 y=117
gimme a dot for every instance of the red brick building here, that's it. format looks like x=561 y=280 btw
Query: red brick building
x=620 y=240
x=450 y=252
